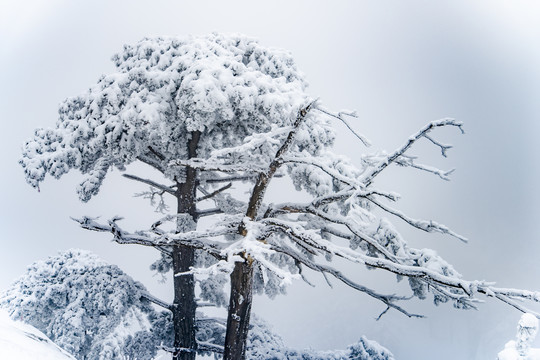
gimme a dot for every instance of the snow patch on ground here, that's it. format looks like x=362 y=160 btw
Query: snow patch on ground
x=21 y=341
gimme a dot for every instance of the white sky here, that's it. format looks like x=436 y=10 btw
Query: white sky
x=400 y=64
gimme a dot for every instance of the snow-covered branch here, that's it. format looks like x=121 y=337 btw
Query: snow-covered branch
x=204 y=165
x=195 y=239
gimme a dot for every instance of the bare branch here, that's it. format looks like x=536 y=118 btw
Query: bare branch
x=516 y=305
x=231 y=178
x=443 y=147
x=149 y=160
x=214 y=193
x=206 y=346
x=384 y=312
x=155 y=300
x=209 y=212
x=154 y=184
x=340 y=117
x=156 y=154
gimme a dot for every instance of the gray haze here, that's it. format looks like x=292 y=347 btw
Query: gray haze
x=400 y=64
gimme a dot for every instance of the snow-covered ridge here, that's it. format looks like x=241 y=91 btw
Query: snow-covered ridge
x=21 y=341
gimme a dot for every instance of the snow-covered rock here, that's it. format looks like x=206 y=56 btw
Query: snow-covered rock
x=21 y=341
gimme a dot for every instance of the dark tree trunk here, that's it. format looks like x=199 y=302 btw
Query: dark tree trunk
x=184 y=305
x=239 y=311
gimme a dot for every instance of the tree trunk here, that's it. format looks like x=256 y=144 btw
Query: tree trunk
x=239 y=311
x=184 y=305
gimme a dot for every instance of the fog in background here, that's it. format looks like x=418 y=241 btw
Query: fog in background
x=400 y=64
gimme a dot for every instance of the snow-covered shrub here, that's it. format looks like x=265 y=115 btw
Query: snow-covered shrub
x=88 y=307
x=520 y=349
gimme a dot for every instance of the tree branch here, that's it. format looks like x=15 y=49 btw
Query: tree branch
x=155 y=300
x=340 y=117
x=230 y=178
x=214 y=193
x=162 y=187
x=427 y=226
x=386 y=299
x=190 y=238
x=209 y=212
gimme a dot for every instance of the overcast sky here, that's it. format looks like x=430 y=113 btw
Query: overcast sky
x=399 y=63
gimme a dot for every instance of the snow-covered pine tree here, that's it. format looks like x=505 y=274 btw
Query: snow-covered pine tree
x=172 y=99
x=261 y=241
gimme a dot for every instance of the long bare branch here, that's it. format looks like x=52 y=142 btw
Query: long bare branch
x=155 y=300
x=152 y=183
x=209 y=212
x=214 y=193
x=231 y=178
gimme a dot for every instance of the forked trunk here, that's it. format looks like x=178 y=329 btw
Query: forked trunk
x=239 y=311
x=184 y=305
x=242 y=275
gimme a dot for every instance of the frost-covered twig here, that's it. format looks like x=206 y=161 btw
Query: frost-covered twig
x=368 y=178
x=340 y=117
x=428 y=226
x=409 y=162
x=349 y=193
x=443 y=147
x=319 y=164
